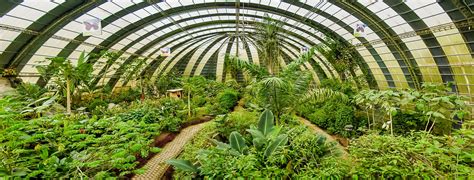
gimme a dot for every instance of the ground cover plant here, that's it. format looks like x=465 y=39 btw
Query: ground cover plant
x=105 y=142
x=268 y=151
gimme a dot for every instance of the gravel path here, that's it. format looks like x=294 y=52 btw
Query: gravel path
x=156 y=166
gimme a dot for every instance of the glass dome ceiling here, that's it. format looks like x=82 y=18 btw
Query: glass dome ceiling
x=406 y=43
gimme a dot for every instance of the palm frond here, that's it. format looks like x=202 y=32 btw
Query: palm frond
x=252 y=69
x=323 y=94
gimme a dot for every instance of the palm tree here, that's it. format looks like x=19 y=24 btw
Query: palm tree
x=269 y=43
x=340 y=56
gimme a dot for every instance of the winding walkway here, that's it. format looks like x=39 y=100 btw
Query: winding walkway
x=321 y=132
x=156 y=166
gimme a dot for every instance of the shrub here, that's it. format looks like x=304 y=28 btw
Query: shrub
x=269 y=153
x=236 y=121
x=74 y=147
x=418 y=155
x=95 y=103
x=334 y=116
x=226 y=100
x=28 y=91
x=167 y=112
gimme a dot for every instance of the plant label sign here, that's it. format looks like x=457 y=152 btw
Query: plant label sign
x=92 y=27
x=359 y=30
x=165 y=51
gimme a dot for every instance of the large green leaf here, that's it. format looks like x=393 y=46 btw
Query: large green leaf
x=183 y=165
x=256 y=134
x=279 y=141
x=265 y=125
x=237 y=142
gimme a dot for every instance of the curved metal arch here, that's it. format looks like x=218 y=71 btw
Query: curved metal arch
x=169 y=66
x=39 y=25
x=327 y=31
x=363 y=65
x=321 y=74
x=166 y=66
x=265 y=8
x=114 y=78
x=431 y=42
x=397 y=47
x=66 y=52
x=146 y=47
x=25 y=51
x=461 y=11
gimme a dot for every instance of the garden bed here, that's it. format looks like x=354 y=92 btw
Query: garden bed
x=166 y=137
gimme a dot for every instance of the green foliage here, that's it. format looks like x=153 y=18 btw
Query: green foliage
x=41 y=106
x=321 y=95
x=74 y=147
x=274 y=154
x=237 y=142
x=343 y=87
x=164 y=83
x=78 y=146
x=431 y=105
x=127 y=95
x=30 y=92
x=340 y=55
x=183 y=165
x=419 y=155
x=334 y=116
x=226 y=100
x=68 y=77
x=235 y=121
x=193 y=148
x=268 y=43
x=265 y=124
x=96 y=103
x=168 y=113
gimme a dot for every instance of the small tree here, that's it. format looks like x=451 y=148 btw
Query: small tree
x=66 y=73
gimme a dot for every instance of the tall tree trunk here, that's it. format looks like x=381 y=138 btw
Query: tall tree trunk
x=189 y=103
x=427 y=123
x=353 y=74
x=391 y=124
x=373 y=116
x=68 y=96
x=368 y=119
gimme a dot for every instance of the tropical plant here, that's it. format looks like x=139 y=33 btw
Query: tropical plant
x=340 y=56
x=281 y=92
x=266 y=140
x=414 y=156
x=226 y=100
x=268 y=43
x=432 y=104
x=40 y=106
x=66 y=73
x=29 y=92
